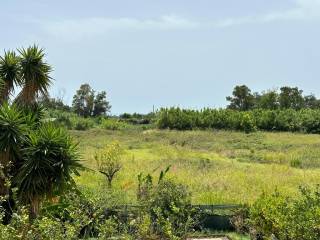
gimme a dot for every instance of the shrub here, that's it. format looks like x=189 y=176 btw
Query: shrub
x=113 y=124
x=287 y=218
x=240 y=220
x=167 y=208
x=61 y=118
x=247 y=123
x=82 y=124
x=171 y=210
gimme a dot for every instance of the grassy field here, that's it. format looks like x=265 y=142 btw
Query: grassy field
x=218 y=166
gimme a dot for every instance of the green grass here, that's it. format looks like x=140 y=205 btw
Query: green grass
x=218 y=166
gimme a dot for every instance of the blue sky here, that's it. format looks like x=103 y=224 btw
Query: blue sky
x=187 y=53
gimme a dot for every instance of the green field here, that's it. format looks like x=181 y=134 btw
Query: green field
x=220 y=167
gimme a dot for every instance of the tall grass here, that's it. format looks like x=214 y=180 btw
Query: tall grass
x=219 y=166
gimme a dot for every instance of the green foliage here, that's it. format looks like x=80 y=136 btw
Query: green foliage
x=62 y=220
x=82 y=123
x=267 y=100
x=50 y=160
x=86 y=104
x=9 y=74
x=242 y=98
x=239 y=220
x=70 y=120
x=287 y=218
x=171 y=210
x=53 y=103
x=291 y=97
x=247 y=123
x=287 y=98
x=62 y=118
x=137 y=118
x=113 y=124
x=101 y=105
x=83 y=101
x=109 y=161
x=168 y=210
x=13 y=136
x=35 y=73
x=305 y=120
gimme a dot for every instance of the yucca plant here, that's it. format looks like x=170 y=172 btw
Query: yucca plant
x=38 y=158
x=9 y=74
x=35 y=75
x=13 y=135
x=1 y=85
x=50 y=160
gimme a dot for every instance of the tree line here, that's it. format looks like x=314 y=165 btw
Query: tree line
x=304 y=120
x=243 y=99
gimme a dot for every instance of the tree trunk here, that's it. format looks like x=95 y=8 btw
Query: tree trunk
x=109 y=180
x=34 y=208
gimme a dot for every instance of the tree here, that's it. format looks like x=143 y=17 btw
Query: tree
x=9 y=74
x=109 y=161
x=310 y=101
x=101 y=105
x=268 y=100
x=35 y=75
x=83 y=101
x=242 y=98
x=291 y=97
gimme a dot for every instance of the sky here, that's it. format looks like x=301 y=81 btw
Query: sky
x=187 y=53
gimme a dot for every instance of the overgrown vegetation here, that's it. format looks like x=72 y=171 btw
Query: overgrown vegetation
x=46 y=191
x=305 y=120
x=277 y=216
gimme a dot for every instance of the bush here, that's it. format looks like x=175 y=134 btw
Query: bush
x=287 y=218
x=247 y=123
x=82 y=124
x=71 y=120
x=171 y=210
x=239 y=220
x=113 y=124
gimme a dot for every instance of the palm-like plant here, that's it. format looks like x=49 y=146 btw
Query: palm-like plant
x=40 y=157
x=35 y=75
x=50 y=160
x=1 y=85
x=9 y=74
x=12 y=137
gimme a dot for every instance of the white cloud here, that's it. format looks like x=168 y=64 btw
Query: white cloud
x=75 y=28
x=96 y=26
